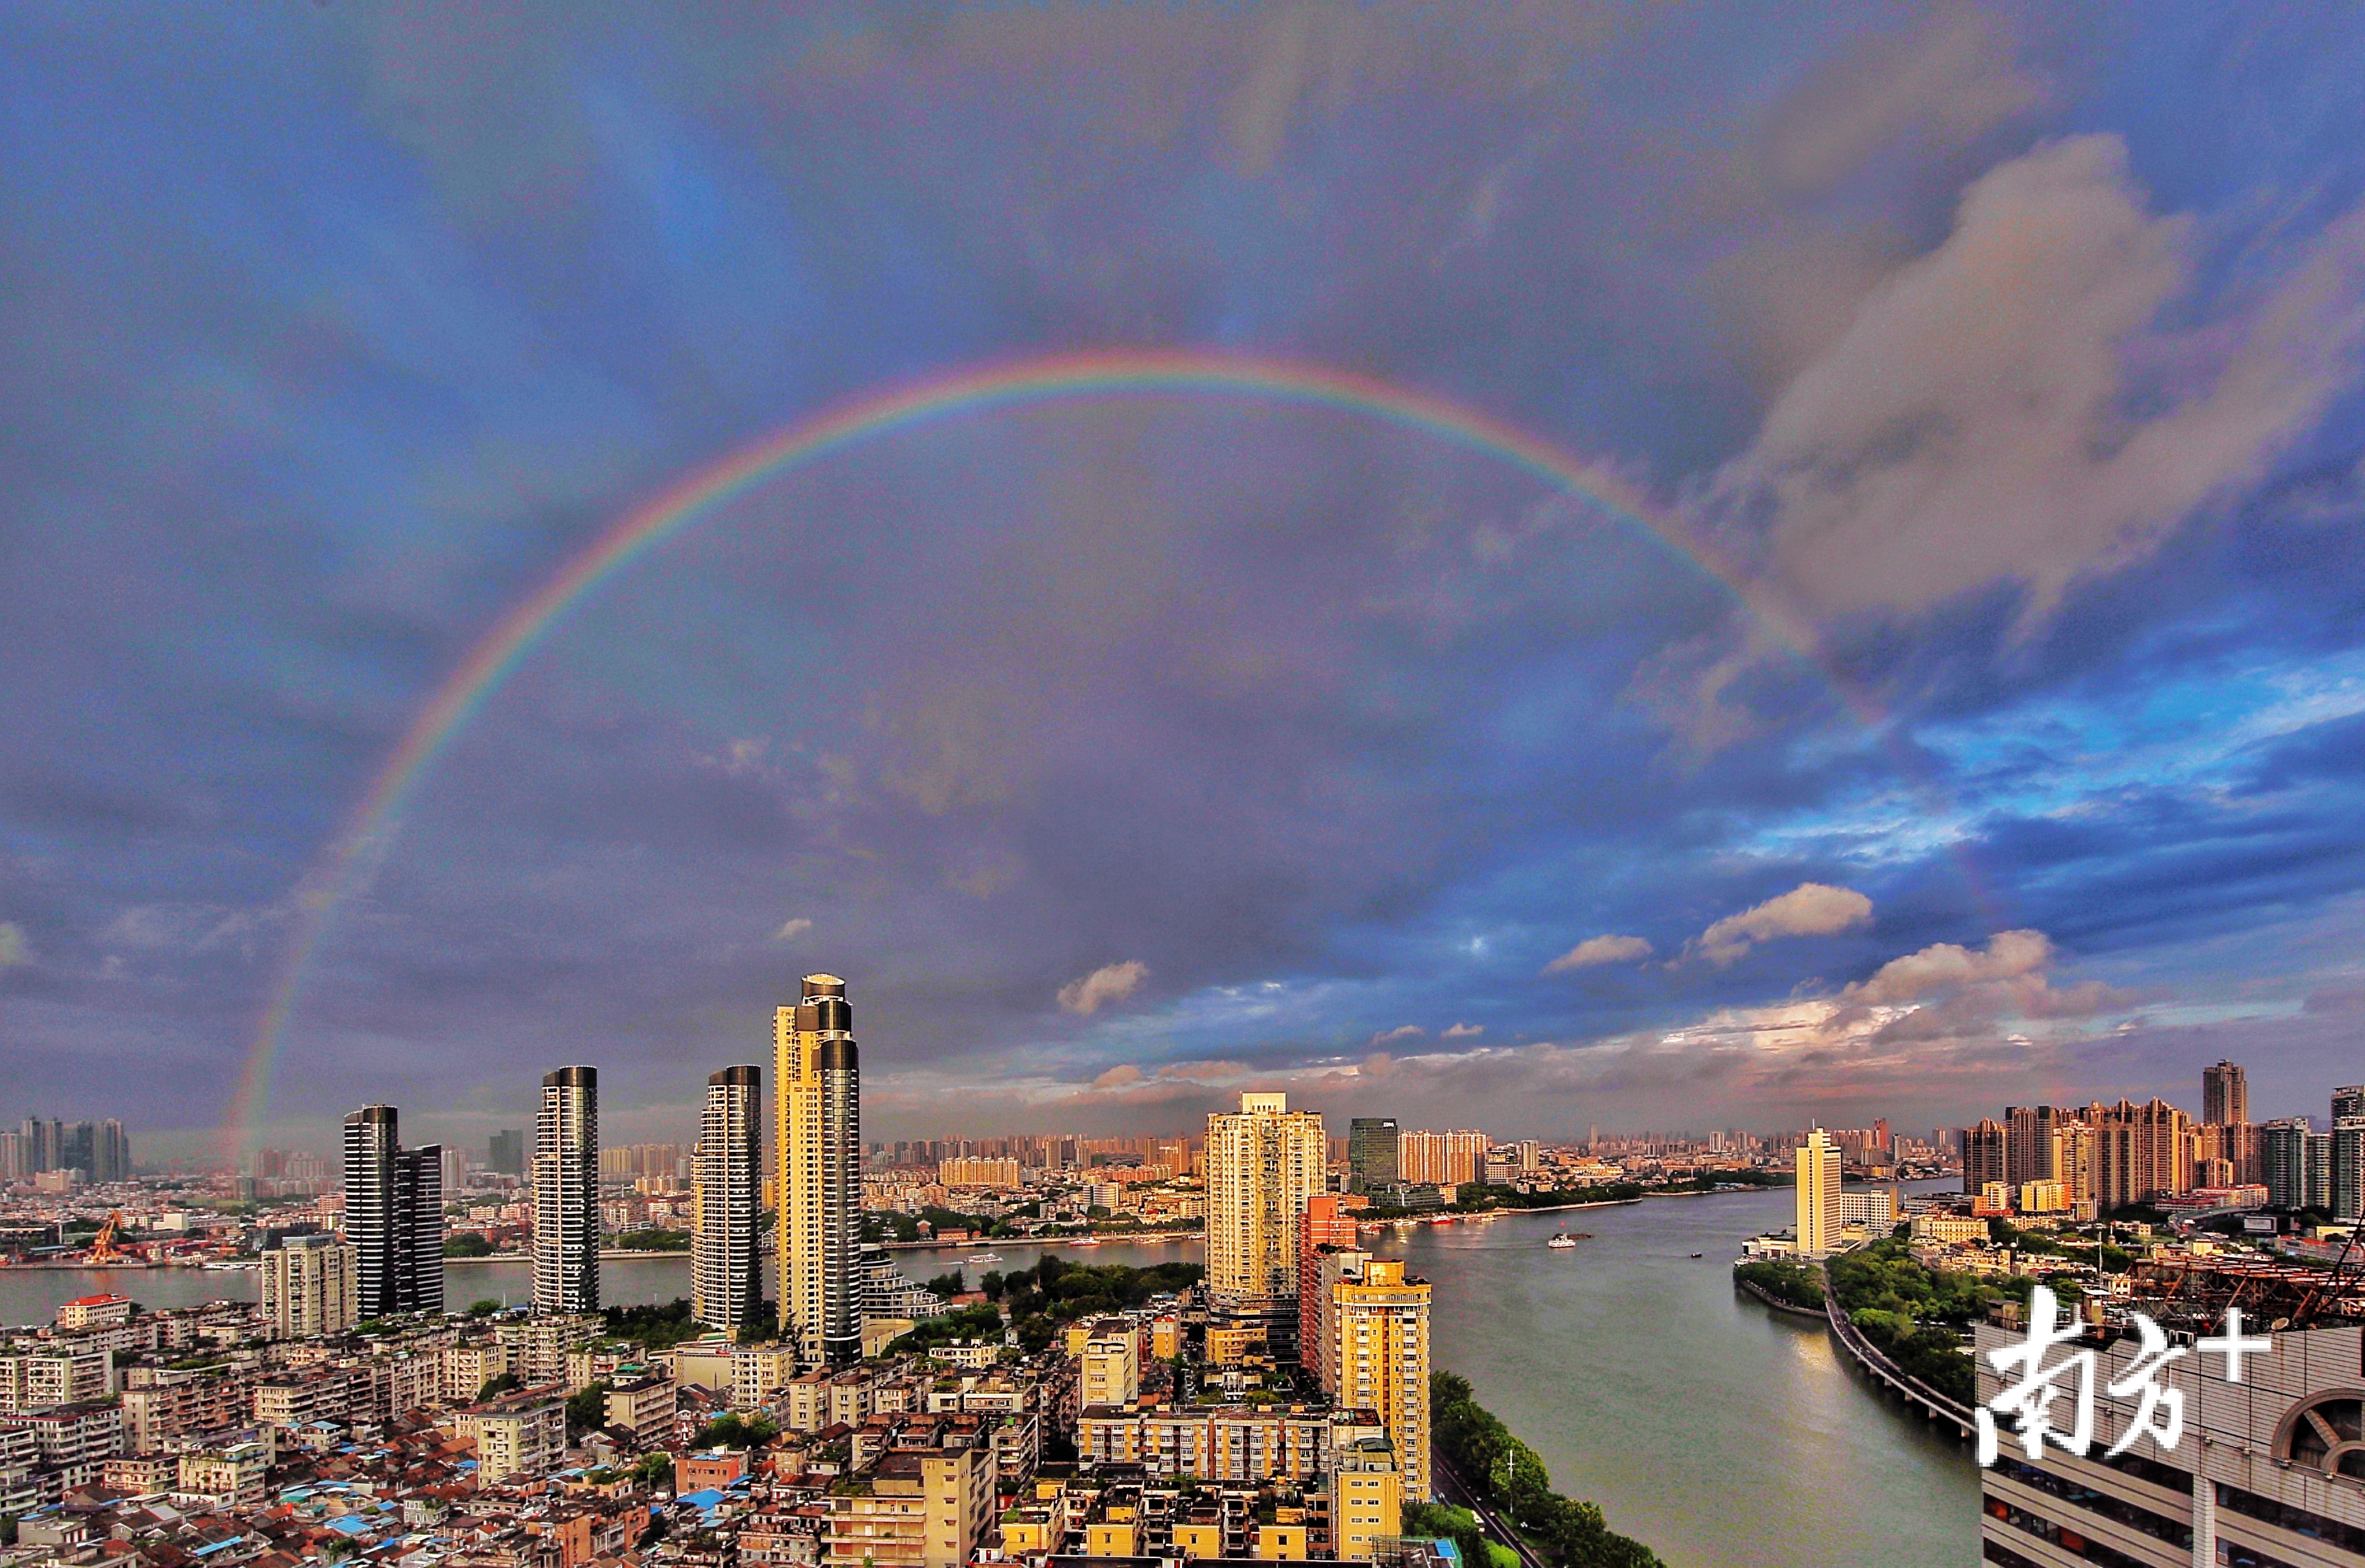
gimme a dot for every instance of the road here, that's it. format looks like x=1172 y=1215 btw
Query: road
x=1450 y=1487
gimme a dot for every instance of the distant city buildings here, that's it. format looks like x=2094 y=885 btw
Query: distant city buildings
x=394 y=1217
x=567 y=1220
x=96 y=1152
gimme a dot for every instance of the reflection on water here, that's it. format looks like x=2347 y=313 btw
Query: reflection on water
x=1704 y=1425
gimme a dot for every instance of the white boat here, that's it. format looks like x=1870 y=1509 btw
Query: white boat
x=1561 y=1242
x=983 y=1257
x=1085 y=1241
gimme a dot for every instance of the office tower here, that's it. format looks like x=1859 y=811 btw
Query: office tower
x=727 y=1273
x=1381 y=1328
x=2224 y=1095
x=505 y=1152
x=12 y=1157
x=1818 y=1195
x=1371 y=1153
x=817 y=1170
x=1325 y=1226
x=1263 y=1162
x=566 y=1192
x=2282 y=1156
x=307 y=1288
x=454 y=1169
x=1984 y=1151
x=2346 y=1102
x=394 y=1217
x=2029 y=1154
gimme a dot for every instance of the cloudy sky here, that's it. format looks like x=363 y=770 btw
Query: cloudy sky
x=1123 y=751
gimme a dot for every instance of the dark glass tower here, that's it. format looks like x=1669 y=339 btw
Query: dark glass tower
x=1371 y=1153
x=394 y=1217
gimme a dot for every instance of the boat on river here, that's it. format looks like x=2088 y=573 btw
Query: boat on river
x=1561 y=1241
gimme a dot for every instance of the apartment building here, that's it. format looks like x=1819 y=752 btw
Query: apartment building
x=518 y=1434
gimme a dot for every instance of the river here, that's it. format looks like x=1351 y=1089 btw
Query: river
x=1704 y=1425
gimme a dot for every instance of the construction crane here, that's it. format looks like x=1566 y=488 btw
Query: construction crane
x=102 y=1246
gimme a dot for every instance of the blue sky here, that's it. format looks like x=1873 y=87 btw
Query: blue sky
x=1124 y=752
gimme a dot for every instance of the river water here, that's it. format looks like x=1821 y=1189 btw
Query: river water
x=1704 y=1425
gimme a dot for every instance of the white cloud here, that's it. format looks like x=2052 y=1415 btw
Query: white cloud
x=1110 y=983
x=1401 y=1032
x=1811 y=908
x=1596 y=950
x=1942 y=965
x=1947 y=990
x=2011 y=406
x=1465 y=1032
x=14 y=948
x=1118 y=1077
x=792 y=930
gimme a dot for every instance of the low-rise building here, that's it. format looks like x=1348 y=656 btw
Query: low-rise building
x=222 y=1478
x=522 y=1434
x=642 y=1407
x=911 y=1508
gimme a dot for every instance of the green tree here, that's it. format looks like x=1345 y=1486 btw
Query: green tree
x=483 y=1306
x=468 y=1244
x=588 y=1411
x=497 y=1387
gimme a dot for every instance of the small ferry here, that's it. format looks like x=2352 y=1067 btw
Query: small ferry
x=1561 y=1241
x=1085 y=1241
x=983 y=1257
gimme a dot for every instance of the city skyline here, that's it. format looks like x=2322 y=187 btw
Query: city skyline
x=1168 y=602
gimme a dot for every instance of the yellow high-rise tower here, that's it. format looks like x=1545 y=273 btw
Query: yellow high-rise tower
x=817 y=1170
x=1379 y=1326
x=1818 y=1195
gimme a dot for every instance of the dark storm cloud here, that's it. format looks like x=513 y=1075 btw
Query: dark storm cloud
x=341 y=328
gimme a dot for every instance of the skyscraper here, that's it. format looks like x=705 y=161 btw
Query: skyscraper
x=1371 y=1153
x=1264 y=1163
x=394 y=1217
x=2224 y=1095
x=566 y=1192
x=1818 y=1195
x=2349 y=1170
x=2282 y=1152
x=817 y=1168
x=2347 y=1101
x=505 y=1152
x=2032 y=1154
x=727 y=1273
x=1984 y=1155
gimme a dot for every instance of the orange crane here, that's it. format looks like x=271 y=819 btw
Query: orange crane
x=102 y=1247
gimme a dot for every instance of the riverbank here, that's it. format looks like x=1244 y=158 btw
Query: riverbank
x=1758 y=1292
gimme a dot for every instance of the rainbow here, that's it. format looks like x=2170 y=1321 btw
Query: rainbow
x=1186 y=373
